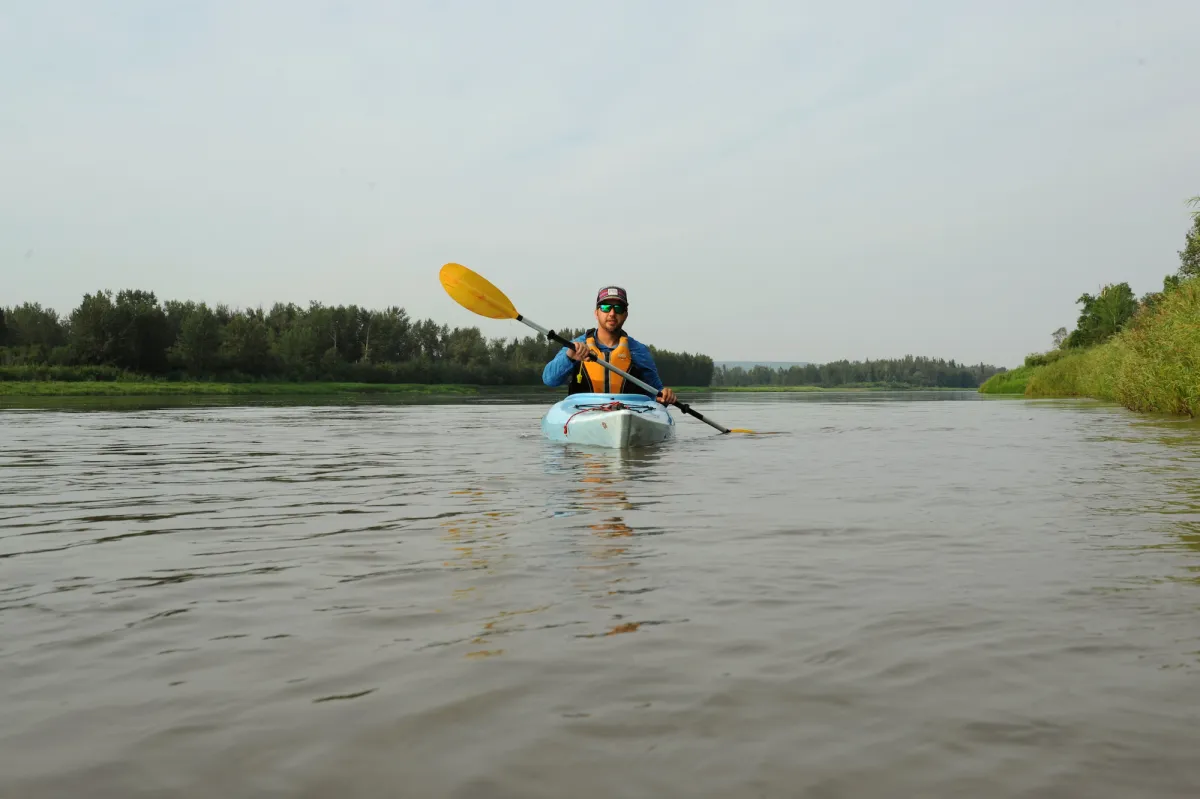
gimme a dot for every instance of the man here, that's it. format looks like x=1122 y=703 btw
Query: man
x=608 y=340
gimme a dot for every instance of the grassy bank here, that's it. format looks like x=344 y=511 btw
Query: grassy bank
x=1087 y=373
x=1152 y=365
x=1011 y=382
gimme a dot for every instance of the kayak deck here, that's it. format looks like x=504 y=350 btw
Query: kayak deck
x=608 y=420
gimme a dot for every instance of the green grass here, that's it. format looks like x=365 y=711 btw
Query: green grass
x=1087 y=373
x=1012 y=382
x=58 y=388
x=1159 y=364
x=67 y=373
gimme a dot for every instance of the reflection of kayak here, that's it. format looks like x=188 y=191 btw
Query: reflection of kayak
x=608 y=420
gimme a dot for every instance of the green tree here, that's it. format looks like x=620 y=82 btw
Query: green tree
x=389 y=337
x=682 y=368
x=33 y=327
x=246 y=343
x=133 y=331
x=141 y=334
x=1102 y=316
x=466 y=346
x=300 y=347
x=129 y=332
x=199 y=340
x=910 y=371
x=1189 y=256
x=91 y=325
x=431 y=339
x=176 y=311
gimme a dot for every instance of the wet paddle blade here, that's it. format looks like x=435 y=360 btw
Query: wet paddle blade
x=475 y=293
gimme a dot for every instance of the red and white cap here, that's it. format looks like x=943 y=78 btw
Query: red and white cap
x=612 y=294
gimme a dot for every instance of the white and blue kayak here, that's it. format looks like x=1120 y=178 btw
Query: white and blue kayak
x=608 y=420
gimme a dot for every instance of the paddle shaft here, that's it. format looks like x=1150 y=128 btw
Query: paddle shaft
x=550 y=334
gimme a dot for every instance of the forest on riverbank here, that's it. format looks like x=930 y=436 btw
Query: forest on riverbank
x=900 y=373
x=132 y=336
x=1143 y=352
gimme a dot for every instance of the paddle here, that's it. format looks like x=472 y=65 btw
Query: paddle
x=473 y=292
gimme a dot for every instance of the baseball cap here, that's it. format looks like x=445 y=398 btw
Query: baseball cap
x=612 y=294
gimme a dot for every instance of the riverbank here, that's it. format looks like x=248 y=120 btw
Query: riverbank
x=1151 y=366
x=839 y=389
x=150 y=388
x=1011 y=382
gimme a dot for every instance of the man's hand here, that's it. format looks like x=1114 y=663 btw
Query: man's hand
x=578 y=351
x=666 y=396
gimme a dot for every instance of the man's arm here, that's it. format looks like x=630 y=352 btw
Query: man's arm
x=560 y=367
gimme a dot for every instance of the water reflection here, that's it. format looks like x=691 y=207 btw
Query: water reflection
x=595 y=496
x=616 y=465
x=1149 y=469
x=1178 y=469
x=479 y=546
x=608 y=489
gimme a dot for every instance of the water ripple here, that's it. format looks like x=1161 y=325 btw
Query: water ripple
x=895 y=596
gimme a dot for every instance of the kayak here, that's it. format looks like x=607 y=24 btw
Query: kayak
x=608 y=420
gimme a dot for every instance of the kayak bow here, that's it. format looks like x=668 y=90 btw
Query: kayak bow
x=616 y=421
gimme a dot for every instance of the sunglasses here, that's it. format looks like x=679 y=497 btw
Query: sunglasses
x=607 y=306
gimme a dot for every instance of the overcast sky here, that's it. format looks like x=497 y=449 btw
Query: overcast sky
x=781 y=181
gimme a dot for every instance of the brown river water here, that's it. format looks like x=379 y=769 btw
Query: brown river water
x=896 y=595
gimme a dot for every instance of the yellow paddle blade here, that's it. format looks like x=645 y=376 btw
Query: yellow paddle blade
x=740 y=430
x=475 y=293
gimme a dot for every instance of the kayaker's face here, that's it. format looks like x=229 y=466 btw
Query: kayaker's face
x=611 y=317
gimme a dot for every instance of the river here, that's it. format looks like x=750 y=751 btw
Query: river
x=935 y=595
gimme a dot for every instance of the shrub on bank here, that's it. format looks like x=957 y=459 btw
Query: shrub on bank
x=1043 y=358
x=73 y=374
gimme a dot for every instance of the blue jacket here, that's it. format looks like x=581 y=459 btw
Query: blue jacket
x=560 y=368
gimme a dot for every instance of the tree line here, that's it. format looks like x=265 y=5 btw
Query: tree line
x=131 y=332
x=907 y=372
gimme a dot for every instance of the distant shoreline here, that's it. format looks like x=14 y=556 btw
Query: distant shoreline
x=814 y=389
x=149 y=388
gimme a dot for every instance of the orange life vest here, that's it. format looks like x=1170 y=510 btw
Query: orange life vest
x=594 y=378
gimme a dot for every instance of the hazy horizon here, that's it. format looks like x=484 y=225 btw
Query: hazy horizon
x=798 y=181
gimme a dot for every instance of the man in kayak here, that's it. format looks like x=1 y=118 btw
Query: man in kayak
x=608 y=340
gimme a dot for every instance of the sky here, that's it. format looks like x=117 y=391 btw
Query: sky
x=786 y=181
